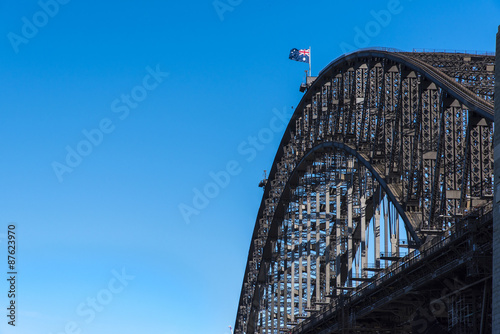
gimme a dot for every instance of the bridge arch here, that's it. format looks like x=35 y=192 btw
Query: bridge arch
x=378 y=134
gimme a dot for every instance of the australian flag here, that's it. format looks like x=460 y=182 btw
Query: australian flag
x=300 y=55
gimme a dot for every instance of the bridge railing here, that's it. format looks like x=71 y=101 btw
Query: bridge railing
x=375 y=48
x=415 y=50
x=437 y=243
x=472 y=52
x=480 y=216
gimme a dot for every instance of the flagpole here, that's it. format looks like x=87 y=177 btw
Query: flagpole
x=310 y=55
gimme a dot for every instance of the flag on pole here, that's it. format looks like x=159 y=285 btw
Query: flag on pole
x=300 y=55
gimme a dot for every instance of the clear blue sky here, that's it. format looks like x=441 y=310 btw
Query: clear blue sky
x=86 y=71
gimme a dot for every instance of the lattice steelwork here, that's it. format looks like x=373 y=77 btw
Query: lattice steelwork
x=386 y=151
x=474 y=71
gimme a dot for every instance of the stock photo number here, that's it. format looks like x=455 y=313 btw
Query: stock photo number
x=11 y=274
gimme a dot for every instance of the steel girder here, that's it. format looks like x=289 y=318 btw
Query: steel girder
x=474 y=71
x=377 y=131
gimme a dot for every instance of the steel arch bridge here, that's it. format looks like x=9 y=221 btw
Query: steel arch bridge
x=376 y=215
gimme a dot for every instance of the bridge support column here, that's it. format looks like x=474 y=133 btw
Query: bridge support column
x=292 y=287
x=496 y=211
x=395 y=236
x=301 y=264
x=376 y=234
x=386 y=231
x=363 y=236
x=338 y=239
x=272 y=296
x=350 y=230
x=328 y=250
x=308 y=254
x=266 y=318
x=318 y=257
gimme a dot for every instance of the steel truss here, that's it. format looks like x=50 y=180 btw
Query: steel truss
x=386 y=153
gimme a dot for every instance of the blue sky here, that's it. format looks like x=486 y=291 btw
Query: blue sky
x=156 y=98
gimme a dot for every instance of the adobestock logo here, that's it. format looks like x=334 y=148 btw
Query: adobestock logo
x=30 y=28
x=221 y=7
x=425 y=318
x=120 y=106
x=373 y=28
x=96 y=304
x=248 y=150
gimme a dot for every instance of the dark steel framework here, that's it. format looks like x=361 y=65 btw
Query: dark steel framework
x=383 y=182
